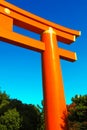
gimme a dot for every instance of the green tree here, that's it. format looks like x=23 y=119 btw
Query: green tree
x=14 y=115
x=3 y=127
x=31 y=117
x=11 y=120
x=42 y=121
x=77 y=113
x=4 y=101
x=9 y=117
x=29 y=113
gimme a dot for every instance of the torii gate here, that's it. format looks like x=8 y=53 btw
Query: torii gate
x=51 y=33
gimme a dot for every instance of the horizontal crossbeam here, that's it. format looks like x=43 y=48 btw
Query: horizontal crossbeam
x=29 y=43
x=67 y=55
x=39 y=19
x=36 y=24
x=20 y=40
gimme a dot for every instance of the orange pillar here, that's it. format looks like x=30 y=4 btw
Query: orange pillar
x=6 y=22
x=54 y=102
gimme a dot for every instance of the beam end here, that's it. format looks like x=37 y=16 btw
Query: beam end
x=67 y=55
x=74 y=38
x=79 y=33
x=75 y=56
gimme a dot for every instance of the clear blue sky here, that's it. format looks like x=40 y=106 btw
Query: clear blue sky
x=20 y=69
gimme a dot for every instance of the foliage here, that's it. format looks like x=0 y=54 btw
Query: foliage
x=14 y=115
x=77 y=113
x=3 y=127
x=42 y=122
x=10 y=120
x=4 y=99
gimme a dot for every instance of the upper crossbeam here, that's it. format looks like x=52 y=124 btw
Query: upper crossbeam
x=37 y=24
x=11 y=15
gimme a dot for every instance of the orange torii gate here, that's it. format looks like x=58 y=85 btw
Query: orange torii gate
x=51 y=33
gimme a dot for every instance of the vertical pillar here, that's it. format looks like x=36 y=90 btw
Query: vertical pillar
x=6 y=22
x=54 y=102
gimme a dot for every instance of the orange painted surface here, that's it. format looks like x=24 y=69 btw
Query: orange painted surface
x=67 y=55
x=54 y=100
x=29 y=21
x=6 y=22
x=7 y=35
x=22 y=41
x=35 y=26
x=39 y=19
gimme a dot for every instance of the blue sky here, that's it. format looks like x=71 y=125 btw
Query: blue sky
x=20 y=69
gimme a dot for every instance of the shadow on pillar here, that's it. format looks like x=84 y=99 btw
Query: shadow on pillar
x=64 y=118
